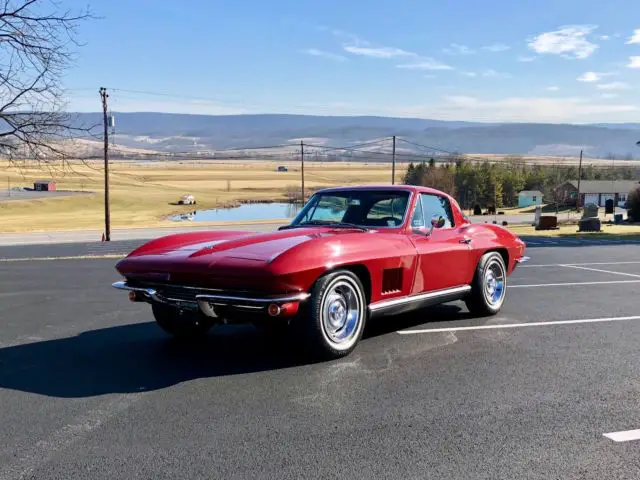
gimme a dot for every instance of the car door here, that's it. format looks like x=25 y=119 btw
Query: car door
x=444 y=255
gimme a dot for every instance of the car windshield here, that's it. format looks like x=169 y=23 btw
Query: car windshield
x=364 y=208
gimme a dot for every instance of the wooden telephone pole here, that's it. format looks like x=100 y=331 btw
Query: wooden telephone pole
x=302 y=170
x=579 y=177
x=107 y=213
x=393 y=162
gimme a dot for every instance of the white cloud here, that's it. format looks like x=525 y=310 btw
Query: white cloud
x=589 y=77
x=605 y=37
x=490 y=73
x=497 y=47
x=455 y=49
x=328 y=55
x=426 y=64
x=469 y=74
x=529 y=109
x=356 y=45
x=609 y=95
x=553 y=88
x=634 y=62
x=538 y=109
x=635 y=38
x=568 y=41
x=524 y=58
x=593 y=76
x=613 y=86
x=378 y=52
x=352 y=37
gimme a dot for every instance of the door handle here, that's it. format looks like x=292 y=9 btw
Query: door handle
x=466 y=240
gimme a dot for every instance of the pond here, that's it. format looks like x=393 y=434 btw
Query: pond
x=245 y=212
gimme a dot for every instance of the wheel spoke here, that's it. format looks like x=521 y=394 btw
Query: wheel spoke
x=494 y=283
x=341 y=312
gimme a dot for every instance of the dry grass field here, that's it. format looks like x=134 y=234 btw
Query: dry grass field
x=144 y=194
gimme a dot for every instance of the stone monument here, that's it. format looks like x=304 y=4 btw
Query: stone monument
x=590 y=222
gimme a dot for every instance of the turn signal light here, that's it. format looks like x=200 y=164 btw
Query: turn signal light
x=284 y=310
x=289 y=309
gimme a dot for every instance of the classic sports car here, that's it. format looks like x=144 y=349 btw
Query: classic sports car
x=351 y=253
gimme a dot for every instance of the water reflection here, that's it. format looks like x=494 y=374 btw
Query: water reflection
x=245 y=212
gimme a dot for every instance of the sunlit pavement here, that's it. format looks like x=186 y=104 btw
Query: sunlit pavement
x=91 y=388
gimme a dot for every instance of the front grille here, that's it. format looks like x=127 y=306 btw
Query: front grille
x=186 y=293
x=179 y=293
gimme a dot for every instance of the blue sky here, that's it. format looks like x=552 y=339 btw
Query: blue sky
x=502 y=60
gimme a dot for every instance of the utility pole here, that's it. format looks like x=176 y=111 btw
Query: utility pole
x=579 y=177
x=9 y=186
x=107 y=214
x=302 y=168
x=393 y=163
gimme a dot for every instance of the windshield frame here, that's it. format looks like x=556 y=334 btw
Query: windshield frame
x=310 y=204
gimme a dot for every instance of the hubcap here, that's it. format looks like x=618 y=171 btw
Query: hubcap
x=341 y=313
x=494 y=283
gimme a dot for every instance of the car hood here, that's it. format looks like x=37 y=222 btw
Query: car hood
x=225 y=254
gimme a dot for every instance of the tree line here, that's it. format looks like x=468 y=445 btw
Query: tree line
x=496 y=184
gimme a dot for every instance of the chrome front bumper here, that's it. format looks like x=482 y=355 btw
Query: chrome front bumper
x=206 y=302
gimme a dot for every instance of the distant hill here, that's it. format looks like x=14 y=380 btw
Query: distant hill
x=169 y=132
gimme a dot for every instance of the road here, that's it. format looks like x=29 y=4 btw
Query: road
x=91 y=388
x=84 y=236
x=8 y=195
x=125 y=234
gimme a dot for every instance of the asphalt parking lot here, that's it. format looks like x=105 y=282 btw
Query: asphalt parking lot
x=91 y=388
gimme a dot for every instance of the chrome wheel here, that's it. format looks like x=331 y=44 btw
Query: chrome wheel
x=342 y=312
x=494 y=283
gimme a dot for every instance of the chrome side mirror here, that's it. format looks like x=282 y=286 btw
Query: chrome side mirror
x=437 y=221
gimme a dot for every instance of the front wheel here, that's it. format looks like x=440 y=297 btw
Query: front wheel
x=337 y=315
x=489 y=286
x=181 y=324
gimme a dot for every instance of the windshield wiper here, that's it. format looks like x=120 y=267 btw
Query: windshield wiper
x=325 y=223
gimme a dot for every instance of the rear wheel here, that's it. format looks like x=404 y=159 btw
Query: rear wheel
x=337 y=315
x=185 y=324
x=489 y=286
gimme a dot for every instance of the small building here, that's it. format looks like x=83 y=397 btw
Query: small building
x=527 y=198
x=595 y=191
x=44 y=185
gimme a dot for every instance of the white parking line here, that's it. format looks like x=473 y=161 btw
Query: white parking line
x=517 y=325
x=624 y=436
x=602 y=271
x=528 y=265
x=571 y=284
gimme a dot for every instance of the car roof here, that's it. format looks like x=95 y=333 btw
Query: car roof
x=401 y=188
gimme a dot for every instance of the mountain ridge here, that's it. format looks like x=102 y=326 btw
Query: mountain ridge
x=173 y=132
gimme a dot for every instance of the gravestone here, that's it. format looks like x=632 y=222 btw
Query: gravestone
x=608 y=206
x=590 y=211
x=547 y=222
x=590 y=222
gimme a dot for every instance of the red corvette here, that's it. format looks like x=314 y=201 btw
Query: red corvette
x=351 y=253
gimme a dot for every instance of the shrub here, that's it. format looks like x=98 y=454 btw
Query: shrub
x=633 y=204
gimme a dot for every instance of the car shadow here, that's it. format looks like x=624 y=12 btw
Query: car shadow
x=140 y=357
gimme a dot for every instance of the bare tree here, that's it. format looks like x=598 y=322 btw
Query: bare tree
x=37 y=39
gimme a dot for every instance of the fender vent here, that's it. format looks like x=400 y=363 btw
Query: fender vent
x=391 y=280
